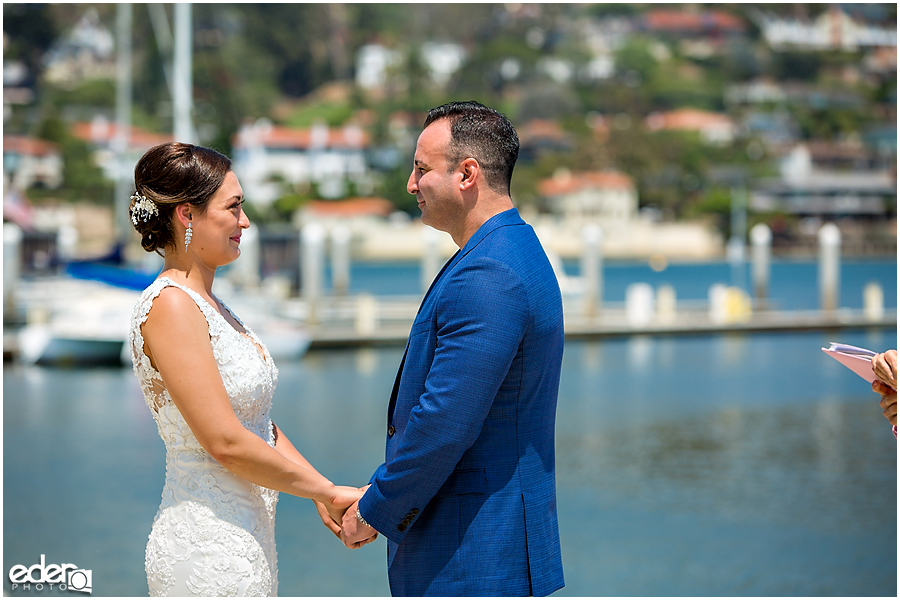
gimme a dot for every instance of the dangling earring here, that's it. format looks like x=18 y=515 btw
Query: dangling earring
x=188 y=233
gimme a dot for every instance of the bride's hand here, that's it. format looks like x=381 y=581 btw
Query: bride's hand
x=329 y=523
x=342 y=498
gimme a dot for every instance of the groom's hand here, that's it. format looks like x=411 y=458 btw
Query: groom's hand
x=354 y=533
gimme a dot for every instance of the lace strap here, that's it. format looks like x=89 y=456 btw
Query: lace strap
x=142 y=310
x=150 y=294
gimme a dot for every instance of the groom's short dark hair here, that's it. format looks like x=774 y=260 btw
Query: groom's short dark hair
x=482 y=133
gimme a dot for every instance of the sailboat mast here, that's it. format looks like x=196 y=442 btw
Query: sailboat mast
x=183 y=82
x=121 y=138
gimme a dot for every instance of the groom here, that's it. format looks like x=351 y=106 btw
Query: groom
x=467 y=495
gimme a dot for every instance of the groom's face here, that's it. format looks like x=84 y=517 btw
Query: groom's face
x=434 y=181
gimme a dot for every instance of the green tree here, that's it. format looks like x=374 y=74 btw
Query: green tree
x=28 y=32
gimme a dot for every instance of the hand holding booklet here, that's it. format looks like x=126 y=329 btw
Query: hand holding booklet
x=858 y=360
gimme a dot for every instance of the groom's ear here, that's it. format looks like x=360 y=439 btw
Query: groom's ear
x=470 y=170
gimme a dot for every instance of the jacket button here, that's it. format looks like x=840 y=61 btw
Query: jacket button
x=391 y=431
x=414 y=512
x=401 y=527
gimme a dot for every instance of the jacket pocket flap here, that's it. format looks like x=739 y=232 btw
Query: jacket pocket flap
x=420 y=327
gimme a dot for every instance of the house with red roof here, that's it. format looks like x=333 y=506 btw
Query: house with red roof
x=30 y=162
x=714 y=128
x=348 y=208
x=267 y=157
x=100 y=134
x=692 y=23
x=606 y=197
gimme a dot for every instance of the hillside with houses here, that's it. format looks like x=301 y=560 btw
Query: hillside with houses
x=673 y=128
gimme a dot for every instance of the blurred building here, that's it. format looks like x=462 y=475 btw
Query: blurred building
x=31 y=162
x=697 y=33
x=881 y=61
x=539 y=137
x=606 y=197
x=85 y=52
x=834 y=29
x=804 y=189
x=442 y=60
x=17 y=82
x=373 y=62
x=760 y=91
x=100 y=135
x=349 y=208
x=689 y=22
x=776 y=129
x=714 y=128
x=269 y=159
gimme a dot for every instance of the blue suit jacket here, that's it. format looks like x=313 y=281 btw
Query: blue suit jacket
x=467 y=494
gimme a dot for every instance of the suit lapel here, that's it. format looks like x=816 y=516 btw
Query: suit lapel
x=396 y=387
x=509 y=217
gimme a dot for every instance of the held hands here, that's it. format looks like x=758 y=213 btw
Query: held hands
x=354 y=533
x=329 y=523
x=332 y=511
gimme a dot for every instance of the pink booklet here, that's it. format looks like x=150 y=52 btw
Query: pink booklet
x=858 y=360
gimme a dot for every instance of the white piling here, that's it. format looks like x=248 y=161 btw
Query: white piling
x=12 y=257
x=66 y=242
x=592 y=268
x=829 y=266
x=873 y=302
x=761 y=252
x=639 y=304
x=366 y=314
x=666 y=304
x=736 y=247
x=312 y=264
x=431 y=259
x=718 y=303
x=340 y=259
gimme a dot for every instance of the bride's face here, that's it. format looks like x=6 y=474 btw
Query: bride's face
x=217 y=231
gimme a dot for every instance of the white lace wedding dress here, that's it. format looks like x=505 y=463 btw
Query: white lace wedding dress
x=214 y=533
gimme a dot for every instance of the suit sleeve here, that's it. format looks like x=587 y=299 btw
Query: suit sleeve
x=481 y=319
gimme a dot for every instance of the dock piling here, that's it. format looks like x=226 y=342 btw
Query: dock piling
x=592 y=268
x=340 y=259
x=761 y=252
x=312 y=259
x=829 y=266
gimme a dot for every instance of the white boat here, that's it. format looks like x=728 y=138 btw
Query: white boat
x=73 y=322
x=45 y=345
x=79 y=323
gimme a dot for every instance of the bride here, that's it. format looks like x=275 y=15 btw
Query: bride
x=209 y=381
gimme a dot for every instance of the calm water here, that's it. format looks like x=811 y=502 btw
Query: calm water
x=687 y=466
x=793 y=283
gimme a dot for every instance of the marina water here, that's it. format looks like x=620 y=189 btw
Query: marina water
x=719 y=465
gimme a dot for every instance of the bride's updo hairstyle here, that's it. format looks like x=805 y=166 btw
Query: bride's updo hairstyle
x=166 y=176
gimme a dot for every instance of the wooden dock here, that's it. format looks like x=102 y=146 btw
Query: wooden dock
x=359 y=321
x=612 y=323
